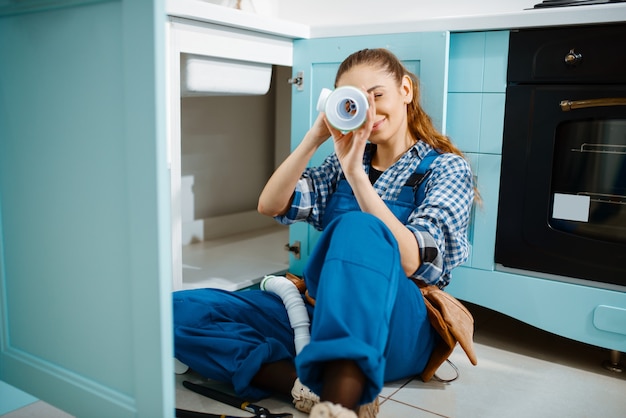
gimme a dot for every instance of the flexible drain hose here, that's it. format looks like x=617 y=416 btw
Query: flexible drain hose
x=298 y=315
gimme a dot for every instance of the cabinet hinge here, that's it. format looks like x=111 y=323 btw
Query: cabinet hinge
x=298 y=80
x=294 y=248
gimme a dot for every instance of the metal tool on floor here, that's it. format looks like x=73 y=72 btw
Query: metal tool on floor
x=259 y=411
x=184 y=413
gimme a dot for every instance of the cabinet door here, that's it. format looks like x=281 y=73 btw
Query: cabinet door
x=476 y=90
x=85 y=265
x=425 y=54
x=482 y=228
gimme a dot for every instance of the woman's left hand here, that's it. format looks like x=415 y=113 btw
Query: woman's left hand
x=350 y=146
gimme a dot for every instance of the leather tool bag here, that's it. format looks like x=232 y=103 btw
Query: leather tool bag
x=453 y=322
x=450 y=319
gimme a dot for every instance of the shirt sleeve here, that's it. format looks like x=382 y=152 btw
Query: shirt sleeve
x=312 y=192
x=440 y=222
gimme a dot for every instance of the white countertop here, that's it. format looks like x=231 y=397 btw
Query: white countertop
x=558 y=16
x=211 y=13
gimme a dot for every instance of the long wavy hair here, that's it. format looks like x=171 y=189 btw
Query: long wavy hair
x=419 y=122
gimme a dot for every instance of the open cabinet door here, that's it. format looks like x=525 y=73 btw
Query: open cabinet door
x=85 y=262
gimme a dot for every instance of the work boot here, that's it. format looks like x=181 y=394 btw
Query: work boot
x=303 y=398
x=369 y=410
x=331 y=410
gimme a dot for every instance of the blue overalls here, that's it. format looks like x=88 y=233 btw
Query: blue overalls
x=366 y=308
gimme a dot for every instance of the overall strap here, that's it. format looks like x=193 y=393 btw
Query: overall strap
x=417 y=180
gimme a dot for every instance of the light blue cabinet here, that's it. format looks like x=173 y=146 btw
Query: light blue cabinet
x=85 y=261
x=477 y=121
x=476 y=90
x=426 y=54
x=478 y=62
x=482 y=228
x=476 y=96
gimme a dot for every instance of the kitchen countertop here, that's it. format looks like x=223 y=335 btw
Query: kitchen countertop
x=558 y=16
x=225 y=16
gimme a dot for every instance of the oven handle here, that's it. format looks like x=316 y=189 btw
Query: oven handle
x=567 y=105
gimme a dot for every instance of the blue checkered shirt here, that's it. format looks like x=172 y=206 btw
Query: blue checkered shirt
x=439 y=223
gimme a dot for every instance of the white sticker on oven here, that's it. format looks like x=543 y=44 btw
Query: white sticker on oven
x=571 y=207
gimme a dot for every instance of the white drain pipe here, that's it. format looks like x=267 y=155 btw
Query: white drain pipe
x=298 y=315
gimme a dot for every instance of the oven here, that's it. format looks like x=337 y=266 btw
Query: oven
x=562 y=203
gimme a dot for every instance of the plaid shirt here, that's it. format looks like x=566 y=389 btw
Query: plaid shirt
x=439 y=223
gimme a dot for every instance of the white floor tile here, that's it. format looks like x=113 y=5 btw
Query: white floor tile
x=393 y=409
x=523 y=372
x=255 y=254
x=392 y=387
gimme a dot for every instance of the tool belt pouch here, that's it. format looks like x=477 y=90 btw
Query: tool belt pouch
x=453 y=322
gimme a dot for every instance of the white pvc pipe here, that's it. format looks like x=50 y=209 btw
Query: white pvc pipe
x=298 y=315
x=345 y=107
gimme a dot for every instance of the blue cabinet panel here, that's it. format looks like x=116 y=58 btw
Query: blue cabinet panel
x=566 y=309
x=473 y=161
x=475 y=121
x=491 y=123
x=478 y=61
x=14 y=7
x=483 y=228
x=464 y=119
x=496 y=60
x=467 y=52
x=12 y=398
x=85 y=256
x=476 y=90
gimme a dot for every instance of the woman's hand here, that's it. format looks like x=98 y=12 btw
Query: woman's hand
x=350 y=146
x=275 y=199
x=319 y=131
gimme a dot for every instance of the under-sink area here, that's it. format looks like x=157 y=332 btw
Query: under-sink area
x=230 y=127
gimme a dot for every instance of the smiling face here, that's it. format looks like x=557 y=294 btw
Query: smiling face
x=390 y=98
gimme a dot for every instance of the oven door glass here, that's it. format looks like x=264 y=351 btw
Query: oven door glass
x=562 y=204
x=589 y=179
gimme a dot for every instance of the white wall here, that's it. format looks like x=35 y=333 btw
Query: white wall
x=227 y=146
x=331 y=12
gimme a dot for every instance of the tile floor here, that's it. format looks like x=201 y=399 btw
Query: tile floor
x=522 y=372
x=255 y=253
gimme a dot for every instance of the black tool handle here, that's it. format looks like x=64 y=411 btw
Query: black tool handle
x=259 y=411
x=184 y=413
x=219 y=396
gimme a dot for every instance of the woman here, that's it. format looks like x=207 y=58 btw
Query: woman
x=393 y=209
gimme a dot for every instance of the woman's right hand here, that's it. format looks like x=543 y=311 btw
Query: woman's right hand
x=275 y=199
x=319 y=132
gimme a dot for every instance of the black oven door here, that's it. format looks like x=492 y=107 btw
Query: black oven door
x=562 y=204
